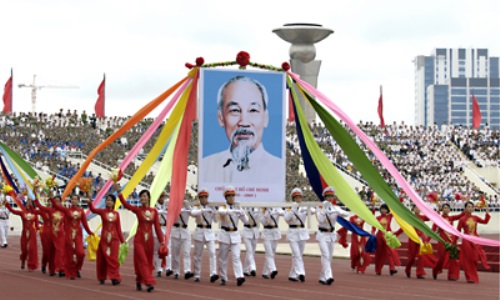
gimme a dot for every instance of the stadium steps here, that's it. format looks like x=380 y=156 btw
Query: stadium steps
x=492 y=257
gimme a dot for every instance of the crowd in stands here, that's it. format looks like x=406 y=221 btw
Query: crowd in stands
x=427 y=157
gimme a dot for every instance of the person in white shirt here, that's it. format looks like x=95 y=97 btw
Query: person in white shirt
x=161 y=207
x=204 y=235
x=229 y=237
x=297 y=235
x=181 y=239
x=326 y=236
x=250 y=235
x=271 y=235
x=4 y=222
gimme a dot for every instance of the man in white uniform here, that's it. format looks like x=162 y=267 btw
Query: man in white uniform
x=229 y=237
x=4 y=222
x=250 y=235
x=161 y=207
x=271 y=235
x=297 y=235
x=243 y=113
x=204 y=236
x=326 y=236
x=181 y=239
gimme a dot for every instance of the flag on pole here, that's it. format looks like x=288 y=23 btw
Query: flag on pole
x=100 y=103
x=381 y=109
x=7 y=95
x=476 y=113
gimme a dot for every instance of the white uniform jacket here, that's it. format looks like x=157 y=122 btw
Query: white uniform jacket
x=296 y=219
x=204 y=215
x=327 y=218
x=229 y=217
x=270 y=220
x=251 y=227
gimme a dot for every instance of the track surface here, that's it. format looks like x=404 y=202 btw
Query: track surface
x=21 y=284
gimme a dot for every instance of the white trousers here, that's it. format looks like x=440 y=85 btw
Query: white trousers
x=158 y=261
x=326 y=248
x=198 y=254
x=177 y=245
x=223 y=257
x=250 y=245
x=269 y=264
x=297 y=262
x=4 y=230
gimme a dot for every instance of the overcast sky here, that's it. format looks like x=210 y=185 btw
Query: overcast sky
x=142 y=46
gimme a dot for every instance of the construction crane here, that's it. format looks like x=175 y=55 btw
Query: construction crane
x=35 y=87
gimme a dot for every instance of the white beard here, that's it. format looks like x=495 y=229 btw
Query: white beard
x=240 y=155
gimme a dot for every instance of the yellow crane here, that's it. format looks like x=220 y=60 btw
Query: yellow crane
x=35 y=87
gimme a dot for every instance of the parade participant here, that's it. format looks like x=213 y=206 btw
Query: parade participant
x=443 y=254
x=45 y=235
x=271 y=235
x=297 y=235
x=107 y=265
x=162 y=264
x=326 y=236
x=413 y=253
x=74 y=251
x=204 y=236
x=383 y=251
x=147 y=218
x=29 y=251
x=360 y=259
x=4 y=223
x=229 y=237
x=56 y=239
x=250 y=234
x=181 y=240
x=470 y=252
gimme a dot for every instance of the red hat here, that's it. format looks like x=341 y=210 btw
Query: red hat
x=328 y=191
x=296 y=192
x=203 y=192
x=163 y=193
x=229 y=190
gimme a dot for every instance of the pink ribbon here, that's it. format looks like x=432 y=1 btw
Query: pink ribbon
x=428 y=211
x=142 y=141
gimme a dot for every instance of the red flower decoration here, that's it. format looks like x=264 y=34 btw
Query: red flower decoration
x=285 y=66
x=200 y=61
x=243 y=58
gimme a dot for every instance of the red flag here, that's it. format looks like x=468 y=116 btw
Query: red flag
x=476 y=113
x=7 y=95
x=99 y=105
x=381 y=109
x=291 y=113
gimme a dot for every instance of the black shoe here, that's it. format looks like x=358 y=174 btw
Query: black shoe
x=176 y=276
x=240 y=281
x=44 y=270
x=22 y=266
x=150 y=288
x=247 y=274
x=158 y=274
x=188 y=275
x=392 y=272
x=265 y=276
x=72 y=278
x=407 y=275
x=273 y=274
x=435 y=276
x=138 y=287
x=169 y=272
x=52 y=274
x=101 y=281
x=115 y=282
x=197 y=279
x=471 y=282
x=420 y=277
x=79 y=275
x=293 y=279
x=214 y=278
x=452 y=279
x=302 y=278
x=222 y=282
x=323 y=282
x=61 y=274
x=253 y=273
x=329 y=281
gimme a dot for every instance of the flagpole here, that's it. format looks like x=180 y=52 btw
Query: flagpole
x=104 y=96
x=11 y=90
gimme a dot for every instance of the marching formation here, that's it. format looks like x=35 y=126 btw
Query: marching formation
x=63 y=249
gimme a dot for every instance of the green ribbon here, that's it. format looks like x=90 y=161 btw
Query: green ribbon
x=19 y=161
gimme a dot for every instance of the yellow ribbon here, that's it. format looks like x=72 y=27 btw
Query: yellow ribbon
x=425 y=248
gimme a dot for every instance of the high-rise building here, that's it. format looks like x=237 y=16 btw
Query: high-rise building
x=446 y=81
